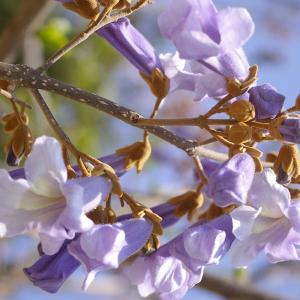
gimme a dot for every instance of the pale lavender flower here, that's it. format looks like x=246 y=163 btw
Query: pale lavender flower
x=199 y=31
x=46 y=200
x=206 y=78
x=269 y=222
x=290 y=130
x=266 y=100
x=106 y=246
x=178 y=265
x=230 y=182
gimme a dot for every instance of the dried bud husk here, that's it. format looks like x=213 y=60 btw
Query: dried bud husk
x=295 y=193
x=239 y=133
x=19 y=145
x=158 y=82
x=11 y=121
x=187 y=203
x=287 y=164
x=89 y=9
x=136 y=154
x=236 y=149
x=241 y=110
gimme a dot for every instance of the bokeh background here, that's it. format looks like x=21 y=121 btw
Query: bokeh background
x=97 y=67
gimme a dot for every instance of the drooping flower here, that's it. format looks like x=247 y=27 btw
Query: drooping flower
x=199 y=31
x=46 y=200
x=178 y=265
x=266 y=100
x=51 y=271
x=229 y=183
x=107 y=246
x=125 y=38
x=271 y=224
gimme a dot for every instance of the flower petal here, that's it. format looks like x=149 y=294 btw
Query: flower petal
x=45 y=167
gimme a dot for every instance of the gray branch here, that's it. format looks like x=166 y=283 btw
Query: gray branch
x=27 y=77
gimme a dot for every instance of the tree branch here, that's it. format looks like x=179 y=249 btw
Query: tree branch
x=234 y=290
x=27 y=77
x=27 y=14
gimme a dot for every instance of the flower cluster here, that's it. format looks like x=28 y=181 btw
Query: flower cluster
x=242 y=205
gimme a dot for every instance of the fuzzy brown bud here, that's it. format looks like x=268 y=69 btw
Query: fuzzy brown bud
x=287 y=164
x=239 y=133
x=89 y=9
x=242 y=110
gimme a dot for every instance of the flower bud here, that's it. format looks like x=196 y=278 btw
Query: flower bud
x=239 y=133
x=267 y=102
x=242 y=111
x=287 y=164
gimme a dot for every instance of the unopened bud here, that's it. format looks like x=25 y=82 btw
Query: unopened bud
x=19 y=145
x=239 y=133
x=242 y=111
x=287 y=164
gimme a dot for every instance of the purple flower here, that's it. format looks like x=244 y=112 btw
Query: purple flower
x=271 y=224
x=199 y=31
x=51 y=271
x=46 y=200
x=290 y=130
x=267 y=102
x=230 y=183
x=132 y=44
x=178 y=265
x=107 y=246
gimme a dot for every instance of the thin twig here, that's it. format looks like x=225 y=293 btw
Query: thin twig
x=27 y=77
x=9 y=96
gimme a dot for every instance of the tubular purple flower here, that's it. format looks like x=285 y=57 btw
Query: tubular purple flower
x=51 y=271
x=178 y=265
x=123 y=36
x=106 y=246
x=230 y=183
x=267 y=101
x=290 y=130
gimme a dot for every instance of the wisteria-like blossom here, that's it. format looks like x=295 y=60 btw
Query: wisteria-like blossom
x=242 y=200
x=46 y=200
